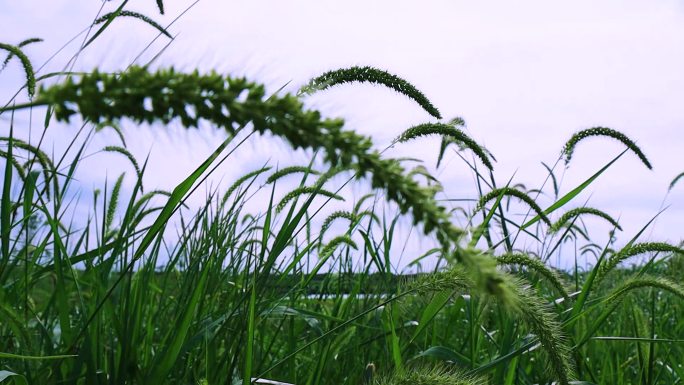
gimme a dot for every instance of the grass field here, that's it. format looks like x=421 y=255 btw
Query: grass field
x=304 y=290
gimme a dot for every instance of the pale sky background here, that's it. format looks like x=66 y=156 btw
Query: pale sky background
x=524 y=75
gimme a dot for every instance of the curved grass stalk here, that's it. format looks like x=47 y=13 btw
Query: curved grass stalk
x=675 y=180
x=15 y=163
x=570 y=214
x=509 y=191
x=42 y=158
x=631 y=251
x=290 y=170
x=336 y=215
x=654 y=282
x=538 y=317
x=570 y=145
x=104 y=18
x=20 y=45
x=303 y=191
x=370 y=75
x=538 y=266
x=330 y=247
x=130 y=157
x=449 y=131
x=26 y=63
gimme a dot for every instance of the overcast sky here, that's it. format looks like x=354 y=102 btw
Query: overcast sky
x=524 y=75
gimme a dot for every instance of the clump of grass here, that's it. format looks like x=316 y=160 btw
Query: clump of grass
x=570 y=145
x=191 y=97
x=370 y=75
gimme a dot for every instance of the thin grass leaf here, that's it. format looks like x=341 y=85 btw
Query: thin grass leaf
x=6 y=202
x=160 y=5
x=570 y=145
x=370 y=75
x=573 y=193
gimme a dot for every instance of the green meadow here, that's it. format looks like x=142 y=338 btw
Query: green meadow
x=142 y=288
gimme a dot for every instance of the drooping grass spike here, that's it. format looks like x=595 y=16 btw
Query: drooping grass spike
x=26 y=63
x=569 y=147
x=304 y=191
x=570 y=214
x=290 y=170
x=636 y=249
x=336 y=215
x=675 y=180
x=446 y=131
x=131 y=158
x=646 y=281
x=370 y=75
x=329 y=248
x=20 y=45
x=136 y=15
x=49 y=170
x=238 y=182
x=509 y=191
x=537 y=315
x=113 y=202
x=536 y=265
x=429 y=376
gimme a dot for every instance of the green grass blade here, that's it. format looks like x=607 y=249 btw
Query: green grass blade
x=572 y=194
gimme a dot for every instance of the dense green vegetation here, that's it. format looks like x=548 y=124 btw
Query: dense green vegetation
x=284 y=294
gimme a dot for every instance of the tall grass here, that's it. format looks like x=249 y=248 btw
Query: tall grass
x=285 y=293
